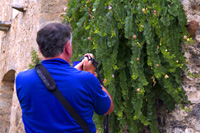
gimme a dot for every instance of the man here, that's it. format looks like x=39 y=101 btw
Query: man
x=41 y=110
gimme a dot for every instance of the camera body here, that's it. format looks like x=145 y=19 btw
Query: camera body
x=94 y=62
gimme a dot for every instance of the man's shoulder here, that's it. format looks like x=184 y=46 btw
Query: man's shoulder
x=24 y=75
x=24 y=78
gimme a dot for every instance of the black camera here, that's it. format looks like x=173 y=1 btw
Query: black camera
x=94 y=62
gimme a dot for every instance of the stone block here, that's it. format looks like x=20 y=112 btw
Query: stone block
x=4 y=104
x=189 y=87
x=196 y=124
x=194 y=97
x=179 y=114
x=198 y=35
x=189 y=130
x=178 y=130
x=195 y=4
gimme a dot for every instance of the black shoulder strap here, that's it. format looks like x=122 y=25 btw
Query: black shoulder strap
x=51 y=86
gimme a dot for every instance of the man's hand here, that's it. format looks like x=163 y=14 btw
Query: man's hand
x=79 y=66
x=86 y=65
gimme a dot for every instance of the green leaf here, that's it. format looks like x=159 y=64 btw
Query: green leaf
x=165 y=20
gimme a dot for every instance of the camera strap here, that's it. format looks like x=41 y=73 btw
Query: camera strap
x=106 y=119
x=51 y=86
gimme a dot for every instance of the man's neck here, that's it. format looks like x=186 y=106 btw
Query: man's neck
x=61 y=56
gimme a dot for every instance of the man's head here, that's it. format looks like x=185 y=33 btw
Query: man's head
x=52 y=39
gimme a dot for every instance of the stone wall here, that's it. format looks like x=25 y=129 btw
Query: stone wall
x=15 y=50
x=180 y=121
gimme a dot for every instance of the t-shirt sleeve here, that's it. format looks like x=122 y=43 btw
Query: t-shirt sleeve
x=18 y=82
x=100 y=98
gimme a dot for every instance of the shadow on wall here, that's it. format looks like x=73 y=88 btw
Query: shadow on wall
x=6 y=93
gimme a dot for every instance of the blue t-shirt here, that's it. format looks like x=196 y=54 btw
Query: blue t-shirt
x=41 y=110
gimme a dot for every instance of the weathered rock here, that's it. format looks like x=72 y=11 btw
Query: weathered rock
x=198 y=35
x=192 y=27
x=195 y=4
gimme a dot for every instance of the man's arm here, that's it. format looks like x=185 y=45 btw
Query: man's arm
x=112 y=104
x=86 y=65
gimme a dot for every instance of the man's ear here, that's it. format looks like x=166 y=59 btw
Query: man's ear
x=39 y=49
x=68 y=48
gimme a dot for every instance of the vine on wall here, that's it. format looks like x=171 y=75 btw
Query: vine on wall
x=34 y=59
x=137 y=44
